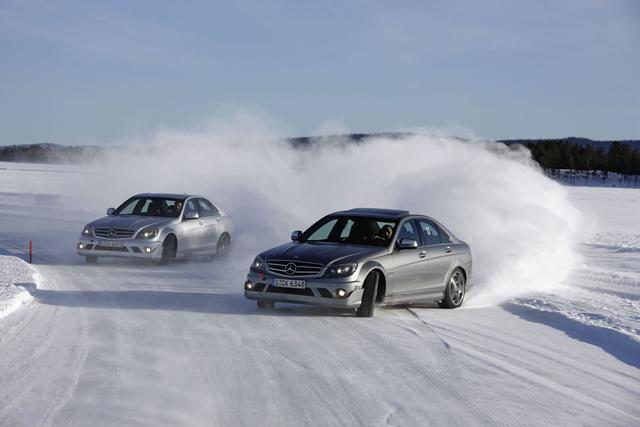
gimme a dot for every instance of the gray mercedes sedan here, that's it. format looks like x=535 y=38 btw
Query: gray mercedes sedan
x=358 y=258
x=158 y=227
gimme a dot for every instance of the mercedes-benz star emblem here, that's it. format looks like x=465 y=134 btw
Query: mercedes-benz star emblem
x=112 y=233
x=290 y=269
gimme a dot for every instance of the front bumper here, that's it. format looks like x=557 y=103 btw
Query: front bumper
x=320 y=291
x=130 y=248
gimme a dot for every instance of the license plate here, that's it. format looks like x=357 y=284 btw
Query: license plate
x=111 y=243
x=290 y=283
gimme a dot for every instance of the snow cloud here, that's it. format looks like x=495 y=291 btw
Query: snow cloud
x=520 y=225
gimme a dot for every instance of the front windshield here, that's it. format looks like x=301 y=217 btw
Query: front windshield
x=150 y=206
x=355 y=230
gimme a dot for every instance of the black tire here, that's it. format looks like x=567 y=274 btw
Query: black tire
x=455 y=291
x=224 y=246
x=168 y=250
x=369 y=296
x=265 y=304
x=91 y=259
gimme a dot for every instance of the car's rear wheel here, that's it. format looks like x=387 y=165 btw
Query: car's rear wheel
x=168 y=250
x=455 y=291
x=369 y=295
x=91 y=259
x=224 y=246
x=265 y=304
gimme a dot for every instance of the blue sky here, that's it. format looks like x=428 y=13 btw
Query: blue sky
x=89 y=72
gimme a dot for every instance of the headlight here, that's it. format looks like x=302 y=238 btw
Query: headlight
x=86 y=231
x=257 y=264
x=148 y=233
x=342 y=270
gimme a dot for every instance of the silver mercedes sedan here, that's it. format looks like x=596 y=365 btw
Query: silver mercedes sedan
x=358 y=258
x=158 y=227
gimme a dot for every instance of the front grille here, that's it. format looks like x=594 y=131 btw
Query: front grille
x=307 y=292
x=111 y=248
x=259 y=287
x=113 y=233
x=302 y=269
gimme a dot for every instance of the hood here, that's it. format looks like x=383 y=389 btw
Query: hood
x=130 y=222
x=322 y=252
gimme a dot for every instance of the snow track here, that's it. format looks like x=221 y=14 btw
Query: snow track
x=123 y=343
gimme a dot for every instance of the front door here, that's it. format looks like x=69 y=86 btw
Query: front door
x=192 y=236
x=407 y=267
x=439 y=255
x=210 y=215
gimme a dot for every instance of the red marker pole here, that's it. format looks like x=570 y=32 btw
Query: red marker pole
x=30 y=251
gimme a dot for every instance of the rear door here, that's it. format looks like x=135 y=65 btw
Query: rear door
x=439 y=254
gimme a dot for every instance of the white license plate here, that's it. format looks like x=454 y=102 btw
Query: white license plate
x=290 y=283
x=111 y=243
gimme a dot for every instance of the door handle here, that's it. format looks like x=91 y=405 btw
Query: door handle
x=218 y=218
x=447 y=249
x=422 y=254
x=201 y=222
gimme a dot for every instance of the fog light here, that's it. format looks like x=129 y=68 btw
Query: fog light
x=147 y=250
x=80 y=246
x=341 y=293
x=248 y=285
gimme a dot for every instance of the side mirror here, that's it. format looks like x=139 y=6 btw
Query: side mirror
x=295 y=236
x=191 y=215
x=110 y=211
x=408 y=244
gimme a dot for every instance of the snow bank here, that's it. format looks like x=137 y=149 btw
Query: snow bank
x=13 y=272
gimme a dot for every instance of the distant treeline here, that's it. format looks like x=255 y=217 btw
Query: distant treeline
x=50 y=153
x=620 y=157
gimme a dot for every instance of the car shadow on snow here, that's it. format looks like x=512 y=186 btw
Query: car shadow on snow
x=195 y=302
x=619 y=345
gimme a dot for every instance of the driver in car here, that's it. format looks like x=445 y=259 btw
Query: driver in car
x=384 y=235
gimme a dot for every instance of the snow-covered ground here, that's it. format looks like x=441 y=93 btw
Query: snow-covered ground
x=604 y=291
x=123 y=343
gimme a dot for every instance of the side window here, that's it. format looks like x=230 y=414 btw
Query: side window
x=205 y=208
x=146 y=206
x=430 y=232
x=444 y=237
x=408 y=231
x=346 y=231
x=190 y=208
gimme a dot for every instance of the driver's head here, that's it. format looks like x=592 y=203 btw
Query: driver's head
x=386 y=231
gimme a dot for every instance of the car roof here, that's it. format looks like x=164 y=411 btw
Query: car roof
x=167 y=195
x=374 y=212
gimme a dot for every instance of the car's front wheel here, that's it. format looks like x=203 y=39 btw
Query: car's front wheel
x=455 y=290
x=369 y=295
x=168 y=250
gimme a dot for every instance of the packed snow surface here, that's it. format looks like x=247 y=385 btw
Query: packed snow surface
x=126 y=343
